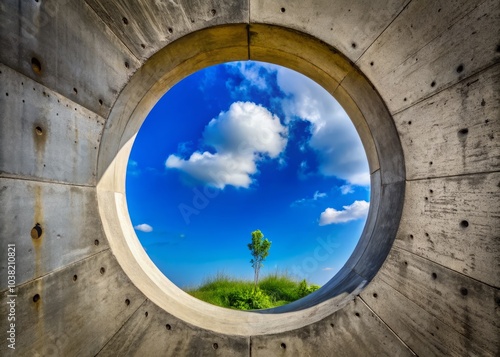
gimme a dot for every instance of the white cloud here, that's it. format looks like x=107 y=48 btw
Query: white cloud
x=144 y=227
x=309 y=201
x=333 y=135
x=318 y=195
x=327 y=269
x=133 y=168
x=357 y=210
x=216 y=170
x=242 y=136
x=246 y=128
x=252 y=74
x=345 y=189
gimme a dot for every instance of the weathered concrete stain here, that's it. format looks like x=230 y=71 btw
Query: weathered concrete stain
x=38 y=218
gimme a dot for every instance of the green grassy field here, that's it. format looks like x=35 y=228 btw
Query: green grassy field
x=273 y=290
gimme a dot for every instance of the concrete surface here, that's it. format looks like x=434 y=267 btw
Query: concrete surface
x=420 y=80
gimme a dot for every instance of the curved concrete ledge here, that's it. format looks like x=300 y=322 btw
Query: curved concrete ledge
x=72 y=101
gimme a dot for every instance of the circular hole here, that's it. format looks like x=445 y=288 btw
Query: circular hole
x=405 y=263
x=427 y=198
x=127 y=65
x=353 y=45
x=430 y=162
x=168 y=327
x=36 y=231
x=433 y=83
x=411 y=236
x=210 y=198
x=102 y=270
x=38 y=130
x=371 y=63
x=431 y=191
x=464 y=224
x=6 y=94
x=75 y=277
x=125 y=21
x=409 y=122
x=464 y=291
x=96 y=242
x=426 y=234
x=36 y=298
x=463 y=132
x=143 y=45
x=434 y=276
x=332 y=325
x=75 y=90
x=222 y=320
x=36 y=66
x=213 y=12
x=146 y=314
x=170 y=30
x=404 y=99
x=127 y=302
x=357 y=314
x=100 y=101
x=215 y=346
x=460 y=68
x=283 y=345
x=375 y=295
x=283 y=9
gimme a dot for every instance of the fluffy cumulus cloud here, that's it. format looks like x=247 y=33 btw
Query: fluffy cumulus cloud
x=242 y=136
x=333 y=136
x=144 y=227
x=357 y=210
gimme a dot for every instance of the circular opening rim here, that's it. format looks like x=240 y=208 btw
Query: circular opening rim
x=317 y=61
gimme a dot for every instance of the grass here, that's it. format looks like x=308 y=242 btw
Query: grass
x=273 y=290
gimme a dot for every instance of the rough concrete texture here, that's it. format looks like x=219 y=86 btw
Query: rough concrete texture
x=68 y=71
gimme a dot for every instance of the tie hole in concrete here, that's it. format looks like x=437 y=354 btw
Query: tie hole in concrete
x=36 y=66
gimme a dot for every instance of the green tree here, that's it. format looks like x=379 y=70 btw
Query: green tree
x=259 y=248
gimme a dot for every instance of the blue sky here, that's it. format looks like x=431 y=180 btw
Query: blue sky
x=244 y=146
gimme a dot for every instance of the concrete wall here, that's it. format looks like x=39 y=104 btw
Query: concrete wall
x=65 y=67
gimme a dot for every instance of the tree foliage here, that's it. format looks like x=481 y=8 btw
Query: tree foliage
x=259 y=248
